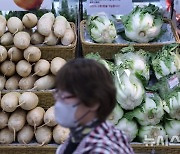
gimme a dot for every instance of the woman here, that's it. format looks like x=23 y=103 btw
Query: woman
x=85 y=96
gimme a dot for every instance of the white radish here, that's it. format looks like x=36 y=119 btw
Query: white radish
x=51 y=39
x=14 y=25
x=42 y=67
x=45 y=83
x=21 y=40
x=7 y=39
x=2 y=82
x=12 y=83
x=29 y=20
x=60 y=26
x=43 y=135
x=68 y=26
x=3 y=53
x=45 y=24
x=25 y=135
x=17 y=121
x=27 y=82
x=35 y=116
x=6 y=136
x=68 y=37
x=28 y=100
x=15 y=54
x=16 y=93
x=37 y=38
x=2 y=25
x=32 y=54
x=8 y=68
x=23 y=68
x=9 y=101
x=56 y=64
x=60 y=134
x=4 y=116
x=49 y=117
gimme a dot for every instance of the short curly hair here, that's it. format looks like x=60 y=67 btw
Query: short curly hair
x=91 y=82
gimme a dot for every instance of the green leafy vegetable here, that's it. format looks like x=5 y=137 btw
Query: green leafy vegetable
x=137 y=62
x=130 y=91
x=173 y=104
x=143 y=24
x=172 y=128
x=129 y=127
x=109 y=65
x=101 y=29
x=116 y=115
x=151 y=132
x=166 y=61
x=150 y=112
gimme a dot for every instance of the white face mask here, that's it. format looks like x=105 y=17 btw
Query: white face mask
x=65 y=114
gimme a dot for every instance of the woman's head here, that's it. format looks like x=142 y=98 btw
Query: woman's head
x=90 y=82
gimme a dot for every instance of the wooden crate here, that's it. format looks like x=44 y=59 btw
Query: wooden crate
x=28 y=149
x=51 y=149
x=142 y=149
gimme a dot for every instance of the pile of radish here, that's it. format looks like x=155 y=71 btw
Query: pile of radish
x=48 y=30
x=23 y=121
x=24 y=69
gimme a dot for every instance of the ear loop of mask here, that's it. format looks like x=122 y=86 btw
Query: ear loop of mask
x=82 y=115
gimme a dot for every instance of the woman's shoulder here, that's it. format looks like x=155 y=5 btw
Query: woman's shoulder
x=107 y=130
x=107 y=138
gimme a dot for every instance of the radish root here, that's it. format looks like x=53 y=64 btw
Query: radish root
x=24 y=142
x=43 y=143
x=28 y=57
x=28 y=17
x=21 y=104
x=14 y=132
x=34 y=88
x=36 y=73
x=34 y=127
x=15 y=32
x=44 y=124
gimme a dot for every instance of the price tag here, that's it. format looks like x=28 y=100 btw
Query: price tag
x=110 y=7
x=173 y=81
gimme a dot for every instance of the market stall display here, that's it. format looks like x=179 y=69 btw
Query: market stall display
x=26 y=70
x=46 y=32
x=150 y=32
x=146 y=75
x=27 y=119
x=29 y=61
x=147 y=103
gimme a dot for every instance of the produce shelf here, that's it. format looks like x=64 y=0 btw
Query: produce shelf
x=50 y=52
x=51 y=148
x=28 y=149
x=65 y=52
x=158 y=149
x=107 y=50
